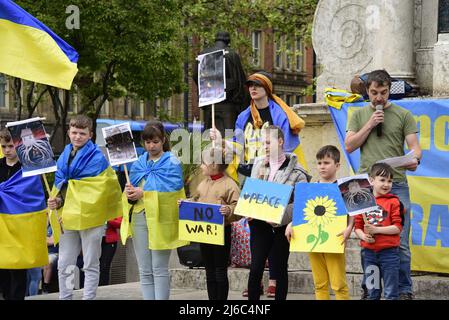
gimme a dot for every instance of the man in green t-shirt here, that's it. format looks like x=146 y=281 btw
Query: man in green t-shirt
x=380 y=130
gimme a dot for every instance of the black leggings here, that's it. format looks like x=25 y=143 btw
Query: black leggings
x=13 y=283
x=107 y=254
x=216 y=261
x=265 y=239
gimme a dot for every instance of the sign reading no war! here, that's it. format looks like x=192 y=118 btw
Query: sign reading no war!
x=201 y=222
x=263 y=200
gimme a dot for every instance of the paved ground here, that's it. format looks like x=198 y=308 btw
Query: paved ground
x=131 y=291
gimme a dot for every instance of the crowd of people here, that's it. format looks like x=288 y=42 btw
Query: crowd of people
x=267 y=133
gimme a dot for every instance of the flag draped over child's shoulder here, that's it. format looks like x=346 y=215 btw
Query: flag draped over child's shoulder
x=93 y=191
x=23 y=223
x=32 y=51
x=162 y=188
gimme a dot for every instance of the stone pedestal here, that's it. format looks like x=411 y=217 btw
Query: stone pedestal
x=441 y=66
x=357 y=36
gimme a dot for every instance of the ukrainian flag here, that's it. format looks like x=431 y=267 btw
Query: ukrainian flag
x=32 y=51
x=23 y=223
x=281 y=119
x=162 y=188
x=93 y=191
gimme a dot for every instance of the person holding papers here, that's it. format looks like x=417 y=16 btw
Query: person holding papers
x=380 y=130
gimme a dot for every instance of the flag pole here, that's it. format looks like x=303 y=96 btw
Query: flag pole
x=213 y=122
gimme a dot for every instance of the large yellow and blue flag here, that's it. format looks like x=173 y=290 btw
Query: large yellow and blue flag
x=23 y=223
x=31 y=51
x=93 y=192
x=163 y=186
x=429 y=184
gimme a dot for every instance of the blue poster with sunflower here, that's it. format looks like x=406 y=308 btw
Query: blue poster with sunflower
x=319 y=214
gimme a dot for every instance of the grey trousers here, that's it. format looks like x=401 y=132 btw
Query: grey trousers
x=70 y=245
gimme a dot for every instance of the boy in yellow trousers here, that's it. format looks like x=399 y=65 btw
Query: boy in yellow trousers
x=329 y=267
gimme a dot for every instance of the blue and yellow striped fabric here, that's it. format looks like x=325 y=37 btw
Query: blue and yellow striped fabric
x=23 y=223
x=32 y=51
x=93 y=191
x=429 y=184
x=162 y=188
x=292 y=143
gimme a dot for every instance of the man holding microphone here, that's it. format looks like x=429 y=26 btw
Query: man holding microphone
x=379 y=130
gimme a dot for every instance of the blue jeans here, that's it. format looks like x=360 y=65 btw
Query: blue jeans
x=153 y=264
x=383 y=264
x=34 y=277
x=405 y=279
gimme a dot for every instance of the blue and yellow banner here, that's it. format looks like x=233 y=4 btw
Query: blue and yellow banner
x=319 y=214
x=429 y=184
x=23 y=223
x=263 y=200
x=201 y=222
x=32 y=51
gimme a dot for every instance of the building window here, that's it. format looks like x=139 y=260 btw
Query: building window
x=2 y=91
x=289 y=99
x=443 y=16
x=278 y=52
x=299 y=52
x=256 y=42
x=105 y=108
x=126 y=107
x=288 y=56
x=298 y=99
x=137 y=108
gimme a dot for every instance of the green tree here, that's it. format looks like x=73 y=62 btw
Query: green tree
x=203 y=18
x=124 y=46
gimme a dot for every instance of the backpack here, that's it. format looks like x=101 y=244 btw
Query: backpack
x=190 y=256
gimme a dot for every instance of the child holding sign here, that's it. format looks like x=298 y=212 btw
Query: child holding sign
x=275 y=166
x=217 y=188
x=329 y=267
x=380 y=237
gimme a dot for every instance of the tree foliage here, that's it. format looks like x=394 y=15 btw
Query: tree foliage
x=137 y=48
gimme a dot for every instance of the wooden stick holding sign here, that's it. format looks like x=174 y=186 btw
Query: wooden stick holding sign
x=213 y=122
x=53 y=212
x=126 y=174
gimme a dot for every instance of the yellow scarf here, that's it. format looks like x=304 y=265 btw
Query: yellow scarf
x=295 y=121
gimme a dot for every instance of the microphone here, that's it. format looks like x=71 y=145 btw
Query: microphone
x=379 y=126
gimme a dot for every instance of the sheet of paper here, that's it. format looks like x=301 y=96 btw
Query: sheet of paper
x=402 y=161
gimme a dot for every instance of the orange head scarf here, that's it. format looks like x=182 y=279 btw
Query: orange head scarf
x=296 y=123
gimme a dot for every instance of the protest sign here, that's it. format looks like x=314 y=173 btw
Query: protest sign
x=211 y=78
x=119 y=144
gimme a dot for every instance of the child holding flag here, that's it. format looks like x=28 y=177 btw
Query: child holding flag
x=22 y=222
x=217 y=188
x=152 y=219
x=87 y=190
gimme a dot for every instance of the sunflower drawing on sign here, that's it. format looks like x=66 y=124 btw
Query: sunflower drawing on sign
x=319 y=214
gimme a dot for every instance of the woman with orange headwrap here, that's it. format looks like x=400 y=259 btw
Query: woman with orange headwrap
x=265 y=109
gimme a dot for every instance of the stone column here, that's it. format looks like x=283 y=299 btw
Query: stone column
x=441 y=66
x=393 y=48
x=357 y=36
